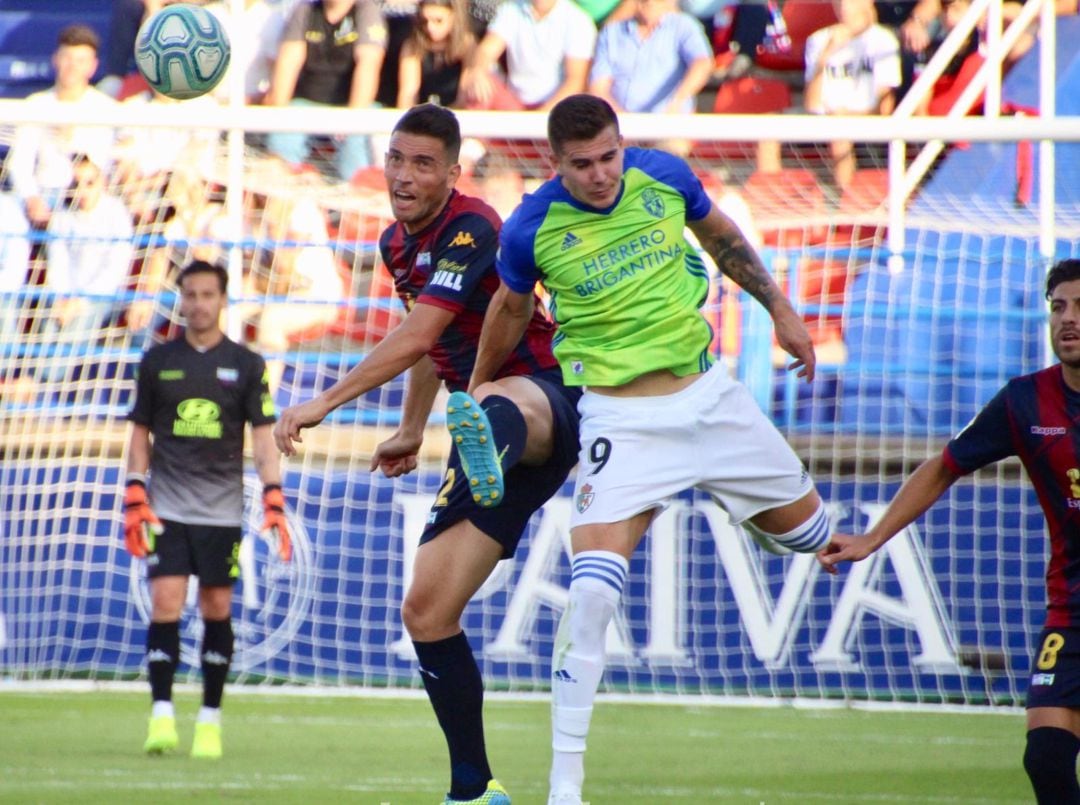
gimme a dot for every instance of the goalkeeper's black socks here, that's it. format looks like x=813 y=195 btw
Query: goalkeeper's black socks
x=216 y=656
x=452 y=680
x=162 y=656
x=508 y=425
x=1050 y=762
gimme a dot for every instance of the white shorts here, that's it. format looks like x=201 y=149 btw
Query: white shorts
x=637 y=453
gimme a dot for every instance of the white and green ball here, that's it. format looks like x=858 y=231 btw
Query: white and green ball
x=182 y=51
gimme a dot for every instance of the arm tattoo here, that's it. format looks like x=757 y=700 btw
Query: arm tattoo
x=737 y=260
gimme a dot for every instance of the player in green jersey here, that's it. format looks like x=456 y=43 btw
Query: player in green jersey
x=606 y=238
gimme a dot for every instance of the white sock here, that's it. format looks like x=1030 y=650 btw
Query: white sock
x=578 y=665
x=162 y=708
x=810 y=537
x=209 y=715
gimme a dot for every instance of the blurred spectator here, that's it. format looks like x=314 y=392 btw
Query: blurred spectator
x=852 y=68
x=254 y=38
x=498 y=183
x=146 y=157
x=548 y=46
x=656 y=62
x=301 y=281
x=124 y=22
x=942 y=96
x=330 y=55
x=88 y=254
x=742 y=29
x=400 y=19
x=14 y=266
x=434 y=57
x=39 y=163
x=194 y=231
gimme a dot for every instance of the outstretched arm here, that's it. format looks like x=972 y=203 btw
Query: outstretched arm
x=398 y=455
x=505 y=323
x=403 y=347
x=917 y=494
x=721 y=238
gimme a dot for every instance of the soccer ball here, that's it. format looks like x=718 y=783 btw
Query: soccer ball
x=182 y=51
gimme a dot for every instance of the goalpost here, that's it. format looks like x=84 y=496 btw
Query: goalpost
x=921 y=312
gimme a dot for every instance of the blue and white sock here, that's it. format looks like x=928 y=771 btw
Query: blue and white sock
x=596 y=586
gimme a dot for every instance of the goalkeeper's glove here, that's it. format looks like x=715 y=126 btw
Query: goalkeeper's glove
x=140 y=522
x=274 y=526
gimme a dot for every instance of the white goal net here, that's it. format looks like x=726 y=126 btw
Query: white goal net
x=911 y=343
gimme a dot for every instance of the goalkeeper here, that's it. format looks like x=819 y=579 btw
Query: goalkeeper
x=441 y=253
x=183 y=505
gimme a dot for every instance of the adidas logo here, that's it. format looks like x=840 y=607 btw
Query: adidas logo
x=562 y=675
x=570 y=241
x=157 y=655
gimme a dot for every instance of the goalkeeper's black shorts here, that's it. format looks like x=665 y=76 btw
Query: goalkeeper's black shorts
x=210 y=552
x=527 y=488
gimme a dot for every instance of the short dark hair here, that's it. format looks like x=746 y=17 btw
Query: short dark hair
x=579 y=117
x=203 y=267
x=78 y=34
x=1063 y=271
x=432 y=120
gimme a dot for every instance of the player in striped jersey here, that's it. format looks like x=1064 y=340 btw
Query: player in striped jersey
x=441 y=253
x=1034 y=418
x=606 y=238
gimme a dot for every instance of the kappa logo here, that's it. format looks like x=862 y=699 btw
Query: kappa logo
x=653 y=203
x=463 y=238
x=1039 y=430
x=585 y=498
x=570 y=241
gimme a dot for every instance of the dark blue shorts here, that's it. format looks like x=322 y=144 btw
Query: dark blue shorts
x=527 y=488
x=210 y=552
x=1055 y=669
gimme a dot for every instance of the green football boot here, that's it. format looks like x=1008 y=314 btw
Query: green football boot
x=471 y=431
x=207 y=743
x=494 y=795
x=161 y=737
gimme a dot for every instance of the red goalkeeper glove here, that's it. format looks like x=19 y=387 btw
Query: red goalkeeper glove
x=274 y=525
x=139 y=520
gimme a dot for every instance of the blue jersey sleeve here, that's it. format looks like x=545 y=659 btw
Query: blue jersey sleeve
x=516 y=259
x=463 y=255
x=674 y=172
x=986 y=439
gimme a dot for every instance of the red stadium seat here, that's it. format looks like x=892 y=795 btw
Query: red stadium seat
x=752 y=95
x=788 y=206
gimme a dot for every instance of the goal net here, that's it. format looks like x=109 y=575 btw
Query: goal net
x=908 y=350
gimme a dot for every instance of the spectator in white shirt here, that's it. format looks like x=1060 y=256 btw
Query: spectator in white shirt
x=39 y=164
x=548 y=45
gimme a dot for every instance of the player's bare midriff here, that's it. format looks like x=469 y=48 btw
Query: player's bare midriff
x=651 y=384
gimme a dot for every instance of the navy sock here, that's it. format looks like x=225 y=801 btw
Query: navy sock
x=162 y=656
x=216 y=657
x=453 y=684
x=1050 y=762
x=508 y=425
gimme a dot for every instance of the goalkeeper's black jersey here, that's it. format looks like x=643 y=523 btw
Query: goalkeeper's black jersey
x=195 y=405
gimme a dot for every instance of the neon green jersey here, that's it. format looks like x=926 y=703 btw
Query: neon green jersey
x=626 y=288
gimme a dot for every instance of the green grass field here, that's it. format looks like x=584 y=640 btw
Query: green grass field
x=59 y=746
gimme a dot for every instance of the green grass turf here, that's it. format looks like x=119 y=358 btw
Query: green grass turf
x=62 y=747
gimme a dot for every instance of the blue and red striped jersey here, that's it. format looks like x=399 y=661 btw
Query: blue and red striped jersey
x=1035 y=417
x=450 y=263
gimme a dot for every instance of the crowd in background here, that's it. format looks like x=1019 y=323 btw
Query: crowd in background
x=77 y=201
